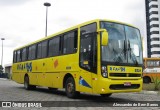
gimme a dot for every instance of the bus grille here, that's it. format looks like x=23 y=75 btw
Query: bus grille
x=121 y=86
x=124 y=75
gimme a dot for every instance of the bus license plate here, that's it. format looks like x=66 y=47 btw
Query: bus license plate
x=127 y=84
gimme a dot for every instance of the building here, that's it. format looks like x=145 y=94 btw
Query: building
x=8 y=70
x=153 y=27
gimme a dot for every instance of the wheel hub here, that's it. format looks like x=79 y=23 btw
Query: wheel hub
x=70 y=87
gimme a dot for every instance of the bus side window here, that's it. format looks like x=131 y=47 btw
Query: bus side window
x=85 y=56
x=39 y=50
x=44 y=49
x=54 y=46
x=32 y=52
x=19 y=59
x=24 y=54
x=14 y=57
x=70 y=42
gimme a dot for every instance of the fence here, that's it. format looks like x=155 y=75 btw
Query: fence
x=4 y=75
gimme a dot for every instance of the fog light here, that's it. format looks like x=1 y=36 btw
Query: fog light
x=103 y=89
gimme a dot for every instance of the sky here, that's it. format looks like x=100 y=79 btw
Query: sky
x=23 y=21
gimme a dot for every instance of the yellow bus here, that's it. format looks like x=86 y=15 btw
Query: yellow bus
x=151 y=69
x=97 y=57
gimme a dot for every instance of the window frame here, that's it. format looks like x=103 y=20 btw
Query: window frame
x=40 y=44
x=153 y=12
x=154 y=32
x=37 y=55
x=19 y=58
x=93 y=69
x=153 y=65
x=23 y=53
x=42 y=50
x=75 y=41
x=52 y=55
x=14 y=56
x=30 y=56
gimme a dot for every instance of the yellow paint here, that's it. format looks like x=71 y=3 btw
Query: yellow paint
x=154 y=70
x=124 y=69
x=45 y=73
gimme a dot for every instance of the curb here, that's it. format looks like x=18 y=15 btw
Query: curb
x=148 y=92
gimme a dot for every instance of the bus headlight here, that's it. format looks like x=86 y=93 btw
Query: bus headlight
x=104 y=72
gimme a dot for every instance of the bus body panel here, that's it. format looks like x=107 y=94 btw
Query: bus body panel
x=151 y=68
x=104 y=85
x=152 y=76
x=85 y=81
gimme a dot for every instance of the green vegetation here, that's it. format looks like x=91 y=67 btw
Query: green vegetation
x=155 y=86
x=156 y=82
x=149 y=86
x=1 y=69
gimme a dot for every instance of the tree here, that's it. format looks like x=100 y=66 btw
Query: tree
x=1 y=69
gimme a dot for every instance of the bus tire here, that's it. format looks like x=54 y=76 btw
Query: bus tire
x=32 y=87
x=70 y=88
x=146 y=80
x=26 y=83
x=106 y=95
x=27 y=86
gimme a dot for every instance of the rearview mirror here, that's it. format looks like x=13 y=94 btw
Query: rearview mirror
x=104 y=40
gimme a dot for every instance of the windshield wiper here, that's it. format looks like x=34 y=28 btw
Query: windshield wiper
x=132 y=55
x=125 y=49
x=118 y=56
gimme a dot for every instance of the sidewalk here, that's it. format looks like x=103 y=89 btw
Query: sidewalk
x=149 y=92
x=3 y=79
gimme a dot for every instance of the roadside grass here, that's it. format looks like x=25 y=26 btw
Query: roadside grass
x=150 y=87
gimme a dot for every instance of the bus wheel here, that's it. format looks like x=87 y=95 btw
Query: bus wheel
x=27 y=86
x=106 y=95
x=146 y=80
x=70 y=88
x=26 y=83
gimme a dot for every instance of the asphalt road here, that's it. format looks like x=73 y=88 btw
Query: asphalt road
x=15 y=93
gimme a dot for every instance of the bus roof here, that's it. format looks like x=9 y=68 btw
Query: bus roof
x=153 y=58
x=74 y=27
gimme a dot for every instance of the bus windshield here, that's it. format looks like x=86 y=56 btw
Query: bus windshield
x=124 y=44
